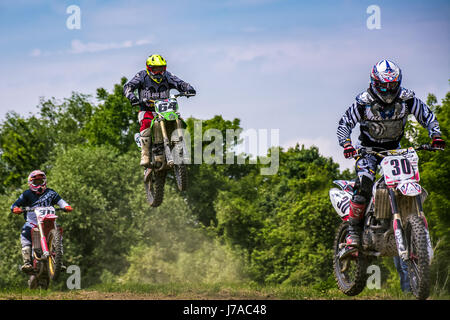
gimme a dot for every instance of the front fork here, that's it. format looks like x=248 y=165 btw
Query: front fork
x=169 y=157
x=44 y=247
x=167 y=151
x=398 y=228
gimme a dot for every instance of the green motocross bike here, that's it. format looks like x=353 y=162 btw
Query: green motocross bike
x=168 y=148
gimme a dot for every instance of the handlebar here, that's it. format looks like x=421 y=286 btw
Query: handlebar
x=32 y=208
x=371 y=150
x=185 y=94
x=181 y=94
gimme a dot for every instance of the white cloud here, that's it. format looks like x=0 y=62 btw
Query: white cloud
x=35 y=53
x=78 y=46
x=142 y=42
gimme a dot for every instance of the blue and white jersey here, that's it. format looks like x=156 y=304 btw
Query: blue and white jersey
x=383 y=125
x=30 y=199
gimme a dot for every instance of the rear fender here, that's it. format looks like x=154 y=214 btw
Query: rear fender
x=345 y=185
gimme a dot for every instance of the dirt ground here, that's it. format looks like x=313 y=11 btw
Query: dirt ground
x=96 y=295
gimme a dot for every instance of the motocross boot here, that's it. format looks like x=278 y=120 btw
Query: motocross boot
x=357 y=207
x=145 y=147
x=26 y=255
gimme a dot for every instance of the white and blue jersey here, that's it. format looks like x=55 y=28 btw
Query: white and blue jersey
x=382 y=125
x=30 y=199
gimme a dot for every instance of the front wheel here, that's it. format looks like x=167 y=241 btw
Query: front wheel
x=350 y=273
x=181 y=176
x=56 y=254
x=419 y=261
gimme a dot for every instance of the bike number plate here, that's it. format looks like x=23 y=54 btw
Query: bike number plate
x=166 y=106
x=397 y=169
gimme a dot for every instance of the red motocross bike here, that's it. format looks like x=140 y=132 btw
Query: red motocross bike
x=47 y=247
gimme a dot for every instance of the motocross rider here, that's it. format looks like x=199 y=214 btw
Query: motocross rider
x=38 y=195
x=382 y=111
x=153 y=83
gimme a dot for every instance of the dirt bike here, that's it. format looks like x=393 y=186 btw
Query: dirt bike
x=47 y=247
x=168 y=148
x=394 y=223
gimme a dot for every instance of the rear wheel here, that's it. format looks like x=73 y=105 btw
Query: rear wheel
x=33 y=282
x=154 y=187
x=419 y=261
x=350 y=273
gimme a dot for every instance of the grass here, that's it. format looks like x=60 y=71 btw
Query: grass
x=201 y=291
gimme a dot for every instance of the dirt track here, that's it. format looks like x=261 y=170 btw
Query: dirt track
x=96 y=295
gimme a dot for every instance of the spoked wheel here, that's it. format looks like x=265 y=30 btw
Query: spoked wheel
x=43 y=282
x=56 y=254
x=350 y=272
x=39 y=279
x=154 y=186
x=33 y=282
x=419 y=261
x=179 y=168
x=181 y=176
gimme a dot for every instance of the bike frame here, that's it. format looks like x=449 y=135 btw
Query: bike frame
x=46 y=221
x=167 y=110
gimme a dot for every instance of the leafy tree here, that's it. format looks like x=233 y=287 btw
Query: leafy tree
x=114 y=122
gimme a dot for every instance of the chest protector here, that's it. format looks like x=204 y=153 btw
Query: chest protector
x=153 y=90
x=382 y=123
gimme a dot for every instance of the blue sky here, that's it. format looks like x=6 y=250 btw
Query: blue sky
x=289 y=65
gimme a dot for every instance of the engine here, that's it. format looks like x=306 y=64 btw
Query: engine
x=378 y=237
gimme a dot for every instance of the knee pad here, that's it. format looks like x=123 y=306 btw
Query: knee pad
x=359 y=199
x=145 y=119
x=146 y=132
x=363 y=187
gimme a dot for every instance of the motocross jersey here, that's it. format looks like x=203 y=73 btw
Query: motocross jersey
x=383 y=125
x=30 y=199
x=149 y=89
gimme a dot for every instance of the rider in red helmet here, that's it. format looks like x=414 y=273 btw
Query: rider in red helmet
x=38 y=195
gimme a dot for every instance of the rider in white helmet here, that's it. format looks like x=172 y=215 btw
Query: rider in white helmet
x=382 y=111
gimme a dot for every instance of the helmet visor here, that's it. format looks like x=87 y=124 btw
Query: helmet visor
x=38 y=182
x=157 y=69
x=387 y=87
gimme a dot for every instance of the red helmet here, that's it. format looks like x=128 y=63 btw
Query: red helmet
x=37 y=181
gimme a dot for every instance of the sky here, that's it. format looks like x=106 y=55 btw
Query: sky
x=295 y=66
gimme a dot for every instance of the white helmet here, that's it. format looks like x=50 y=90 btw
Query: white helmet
x=385 y=80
